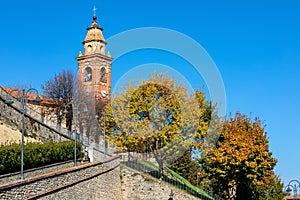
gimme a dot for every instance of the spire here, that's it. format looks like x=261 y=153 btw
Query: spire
x=94 y=31
x=94 y=41
x=95 y=12
x=95 y=24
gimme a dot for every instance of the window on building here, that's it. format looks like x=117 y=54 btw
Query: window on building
x=87 y=92
x=88 y=74
x=103 y=75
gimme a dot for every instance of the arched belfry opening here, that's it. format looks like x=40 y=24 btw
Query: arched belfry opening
x=88 y=75
x=103 y=77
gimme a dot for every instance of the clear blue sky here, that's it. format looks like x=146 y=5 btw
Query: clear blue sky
x=255 y=45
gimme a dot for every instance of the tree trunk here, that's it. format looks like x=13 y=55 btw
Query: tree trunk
x=69 y=122
x=232 y=192
x=160 y=169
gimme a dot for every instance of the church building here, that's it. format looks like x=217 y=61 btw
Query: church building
x=93 y=86
x=94 y=65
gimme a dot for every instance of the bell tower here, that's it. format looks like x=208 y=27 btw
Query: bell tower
x=94 y=65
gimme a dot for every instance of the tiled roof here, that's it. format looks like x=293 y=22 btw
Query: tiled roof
x=292 y=197
x=94 y=32
x=30 y=96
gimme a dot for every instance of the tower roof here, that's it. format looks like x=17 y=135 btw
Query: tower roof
x=94 y=32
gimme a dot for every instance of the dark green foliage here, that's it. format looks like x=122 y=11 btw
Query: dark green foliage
x=36 y=155
x=186 y=167
x=273 y=190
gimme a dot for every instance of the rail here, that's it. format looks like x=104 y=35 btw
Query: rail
x=53 y=125
x=33 y=114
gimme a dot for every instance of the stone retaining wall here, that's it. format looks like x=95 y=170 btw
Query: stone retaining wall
x=98 y=180
x=42 y=129
x=34 y=127
x=104 y=187
x=7 y=178
x=136 y=185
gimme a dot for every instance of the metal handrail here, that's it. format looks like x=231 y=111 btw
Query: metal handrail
x=41 y=119
x=33 y=114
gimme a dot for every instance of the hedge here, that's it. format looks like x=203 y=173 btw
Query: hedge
x=36 y=155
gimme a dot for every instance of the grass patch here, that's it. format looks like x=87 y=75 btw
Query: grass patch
x=170 y=177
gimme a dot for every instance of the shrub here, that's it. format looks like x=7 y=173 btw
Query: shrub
x=36 y=155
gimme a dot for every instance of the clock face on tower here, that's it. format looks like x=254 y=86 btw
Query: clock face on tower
x=104 y=93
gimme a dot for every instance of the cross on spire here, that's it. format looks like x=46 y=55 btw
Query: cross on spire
x=94 y=11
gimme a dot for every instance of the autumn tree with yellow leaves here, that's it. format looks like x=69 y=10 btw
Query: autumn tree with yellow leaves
x=241 y=165
x=160 y=117
x=157 y=116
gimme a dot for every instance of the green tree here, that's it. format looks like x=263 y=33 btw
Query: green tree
x=273 y=189
x=241 y=164
x=186 y=167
